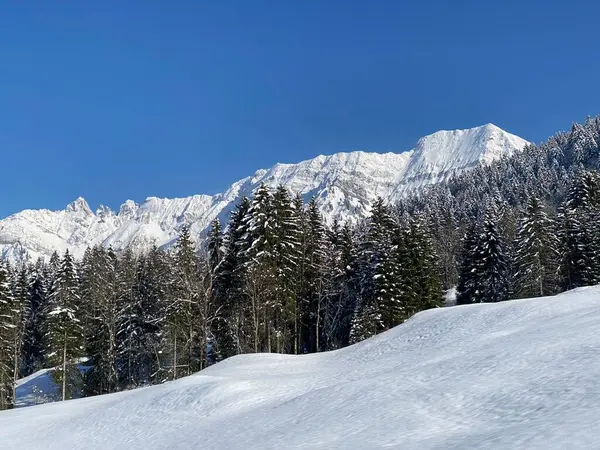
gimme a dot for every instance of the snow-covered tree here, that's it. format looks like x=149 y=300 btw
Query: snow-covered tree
x=537 y=257
x=65 y=334
x=6 y=340
x=34 y=345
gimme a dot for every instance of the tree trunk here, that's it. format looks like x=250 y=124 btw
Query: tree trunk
x=255 y=319
x=3 y=392
x=318 y=324
x=15 y=372
x=541 y=275
x=175 y=358
x=64 y=368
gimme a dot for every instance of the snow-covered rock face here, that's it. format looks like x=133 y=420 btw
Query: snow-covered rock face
x=345 y=185
x=440 y=155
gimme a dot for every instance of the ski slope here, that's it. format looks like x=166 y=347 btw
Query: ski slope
x=520 y=374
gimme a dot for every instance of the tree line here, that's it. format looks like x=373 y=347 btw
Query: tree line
x=277 y=278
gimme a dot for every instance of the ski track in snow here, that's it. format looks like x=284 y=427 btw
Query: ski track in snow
x=518 y=374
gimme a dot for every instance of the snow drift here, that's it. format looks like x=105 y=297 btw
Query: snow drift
x=519 y=374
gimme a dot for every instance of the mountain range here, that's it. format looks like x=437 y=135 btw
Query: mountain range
x=344 y=184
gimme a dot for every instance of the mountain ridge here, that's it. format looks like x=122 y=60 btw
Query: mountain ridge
x=344 y=183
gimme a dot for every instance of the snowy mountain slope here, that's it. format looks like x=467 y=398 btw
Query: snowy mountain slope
x=519 y=374
x=344 y=183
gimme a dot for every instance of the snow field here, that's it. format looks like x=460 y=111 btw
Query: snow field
x=518 y=374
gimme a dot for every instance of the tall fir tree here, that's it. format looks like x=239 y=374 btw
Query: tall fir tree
x=286 y=255
x=231 y=334
x=468 y=283
x=6 y=343
x=537 y=257
x=260 y=269
x=34 y=345
x=21 y=306
x=492 y=261
x=378 y=276
x=99 y=287
x=65 y=334
x=313 y=292
x=580 y=232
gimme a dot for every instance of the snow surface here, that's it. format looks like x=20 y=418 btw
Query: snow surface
x=36 y=389
x=519 y=374
x=345 y=184
x=40 y=388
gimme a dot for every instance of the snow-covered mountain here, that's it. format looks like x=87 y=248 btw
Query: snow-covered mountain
x=512 y=375
x=344 y=183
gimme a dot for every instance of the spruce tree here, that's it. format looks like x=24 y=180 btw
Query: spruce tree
x=215 y=244
x=378 y=277
x=492 y=262
x=231 y=333
x=6 y=342
x=468 y=274
x=314 y=294
x=580 y=233
x=260 y=269
x=537 y=256
x=99 y=287
x=20 y=309
x=186 y=324
x=128 y=319
x=286 y=254
x=65 y=333
x=420 y=285
x=34 y=345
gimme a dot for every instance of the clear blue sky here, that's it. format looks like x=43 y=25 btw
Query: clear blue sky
x=113 y=100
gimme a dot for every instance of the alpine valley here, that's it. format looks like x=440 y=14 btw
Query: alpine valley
x=344 y=184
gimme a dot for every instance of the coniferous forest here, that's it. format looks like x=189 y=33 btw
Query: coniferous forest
x=276 y=278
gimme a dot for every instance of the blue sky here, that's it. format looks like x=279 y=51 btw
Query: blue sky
x=113 y=100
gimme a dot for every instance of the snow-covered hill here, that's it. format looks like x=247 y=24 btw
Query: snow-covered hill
x=519 y=374
x=344 y=183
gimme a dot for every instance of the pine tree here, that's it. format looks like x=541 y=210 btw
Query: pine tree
x=231 y=334
x=537 y=252
x=6 y=343
x=128 y=318
x=493 y=264
x=314 y=283
x=365 y=323
x=215 y=244
x=222 y=345
x=187 y=323
x=153 y=294
x=20 y=309
x=446 y=241
x=348 y=293
x=34 y=345
x=420 y=285
x=64 y=327
x=468 y=278
x=334 y=286
x=378 y=276
x=100 y=289
x=286 y=255
x=580 y=233
x=260 y=269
